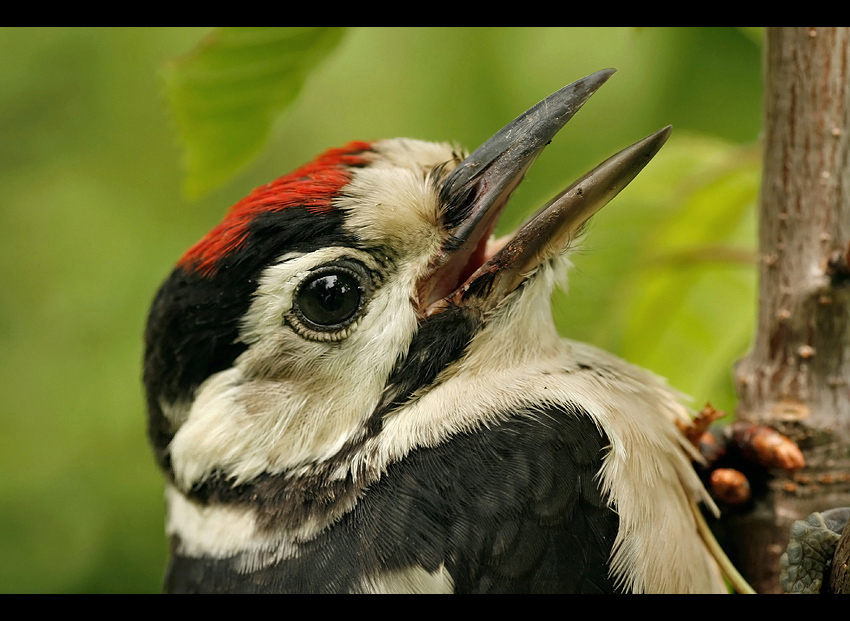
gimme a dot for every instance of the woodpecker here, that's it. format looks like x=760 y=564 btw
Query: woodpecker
x=353 y=386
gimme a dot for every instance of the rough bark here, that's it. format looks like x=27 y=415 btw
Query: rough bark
x=797 y=376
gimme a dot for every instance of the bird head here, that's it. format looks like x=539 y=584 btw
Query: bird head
x=329 y=300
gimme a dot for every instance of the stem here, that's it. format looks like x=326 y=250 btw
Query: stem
x=797 y=376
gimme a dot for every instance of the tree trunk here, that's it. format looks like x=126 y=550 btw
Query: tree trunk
x=797 y=376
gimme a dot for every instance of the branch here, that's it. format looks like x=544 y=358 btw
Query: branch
x=797 y=376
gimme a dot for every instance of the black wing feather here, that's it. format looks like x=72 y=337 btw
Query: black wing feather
x=515 y=507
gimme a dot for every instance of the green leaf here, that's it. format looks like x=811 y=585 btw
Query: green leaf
x=667 y=278
x=753 y=33
x=695 y=306
x=227 y=92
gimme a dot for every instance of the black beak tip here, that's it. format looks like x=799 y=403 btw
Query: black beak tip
x=494 y=168
x=598 y=78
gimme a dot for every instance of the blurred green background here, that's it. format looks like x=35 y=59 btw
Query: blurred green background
x=94 y=215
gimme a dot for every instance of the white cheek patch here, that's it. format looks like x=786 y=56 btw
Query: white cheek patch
x=290 y=401
x=210 y=437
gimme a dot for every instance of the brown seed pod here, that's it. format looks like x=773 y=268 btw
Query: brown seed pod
x=767 y=447
x=730 y=486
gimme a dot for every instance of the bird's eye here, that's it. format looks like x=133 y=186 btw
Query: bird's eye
x=329 y=300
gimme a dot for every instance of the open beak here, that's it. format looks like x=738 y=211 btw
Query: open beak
x=475 y=270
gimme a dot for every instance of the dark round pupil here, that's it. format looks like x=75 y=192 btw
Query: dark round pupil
x=329 y=299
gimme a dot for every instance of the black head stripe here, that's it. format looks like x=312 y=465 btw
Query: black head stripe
x=193 y=327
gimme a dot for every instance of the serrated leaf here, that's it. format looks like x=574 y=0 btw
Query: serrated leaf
x=226 y=94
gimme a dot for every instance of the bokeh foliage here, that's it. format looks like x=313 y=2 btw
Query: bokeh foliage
x=93 y=216
x=226 y=94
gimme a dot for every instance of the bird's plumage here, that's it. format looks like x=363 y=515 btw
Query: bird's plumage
x=344 y=397
x=549 y=527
